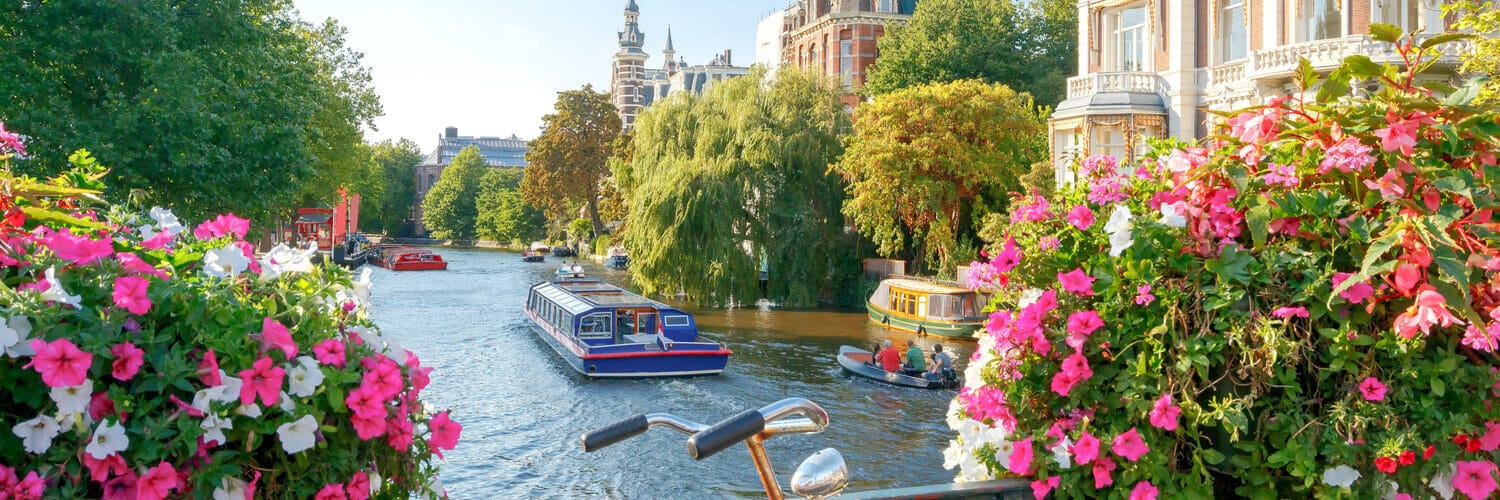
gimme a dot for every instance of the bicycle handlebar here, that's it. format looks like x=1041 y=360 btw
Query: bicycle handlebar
x=716 y=438
x=633 y=426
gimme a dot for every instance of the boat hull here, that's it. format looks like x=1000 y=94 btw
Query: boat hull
x=853 y=360
x=938 y=328
x=414 y=266
x=685 y=360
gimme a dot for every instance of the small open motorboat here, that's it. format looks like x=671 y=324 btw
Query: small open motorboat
x=573 y=271
x=404 y=258
x=530 y=256
x=860 y=362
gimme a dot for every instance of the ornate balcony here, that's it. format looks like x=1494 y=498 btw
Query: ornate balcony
x=1280 y=63
x=1116 y=81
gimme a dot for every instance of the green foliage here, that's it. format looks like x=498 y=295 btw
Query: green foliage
x=451 y=206
x=580 y=229
x=212 y=107
x=396 y=163
x=1030 y=46
x=1481 y=17
x=569 y=161
x=503 y=215
x=926 y=160
x=719 y=182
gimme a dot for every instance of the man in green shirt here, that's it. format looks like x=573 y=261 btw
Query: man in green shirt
x=916 y=361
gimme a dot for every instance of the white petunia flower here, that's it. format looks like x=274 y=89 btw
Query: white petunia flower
x=1171 y=215
x=953 y=454
x=1029 y=296
x=108 y=439
x=394 y=350
x=1060 y=453
x=232 y=386
x=375 y=483
x=297 y=435
x=1443 y=483
x=203 y=398
x=1342 y=476
x=1118 y=228
x=225 y=262
x=232 y=489
x=36 y=434
x=14 y=333
x=167 y=220
x=214 y=427
x=55 y=292
x=286 y=403
x=303 y=380
x=362 y=286
x=285 y=260
x=73 y=399
x=251 y=410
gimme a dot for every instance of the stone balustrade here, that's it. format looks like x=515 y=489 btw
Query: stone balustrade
x=1116 y=81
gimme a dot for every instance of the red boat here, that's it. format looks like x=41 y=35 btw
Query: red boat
x=404 y=258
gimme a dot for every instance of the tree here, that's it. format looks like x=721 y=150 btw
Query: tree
x=503 y=215
x=1030 y=46
x=210 y=107
x=397 y=161
x=569 y=160
x=450 y=209
x=722 y=184
x=923 y=159
x=1482 y=17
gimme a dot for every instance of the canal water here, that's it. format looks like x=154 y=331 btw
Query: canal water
x=523 y=409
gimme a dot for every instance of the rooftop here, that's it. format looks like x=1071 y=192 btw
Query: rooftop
x=497 y=152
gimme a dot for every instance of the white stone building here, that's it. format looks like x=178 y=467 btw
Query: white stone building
x=1153 y=68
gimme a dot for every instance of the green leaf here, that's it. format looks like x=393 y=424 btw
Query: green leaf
x=1336 y=86
x=1467 y=92
x=1445 y=38
x=1378 y=248
x=1307 y=77
x=1212 y=457
x=54 y=217
x=1438 y=387
x=1460 y=183
x=1385 y=32
x=1363 y=67
x=1259 y=219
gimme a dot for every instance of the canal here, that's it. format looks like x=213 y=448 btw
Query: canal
x=523 y=408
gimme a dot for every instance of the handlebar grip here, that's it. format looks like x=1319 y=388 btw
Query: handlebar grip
x=732 y=430
x=614 y=433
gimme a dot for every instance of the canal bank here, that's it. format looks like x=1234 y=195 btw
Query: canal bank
x=523 y=409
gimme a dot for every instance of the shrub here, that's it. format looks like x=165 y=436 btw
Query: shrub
x=1307 y=304
x=144 y=359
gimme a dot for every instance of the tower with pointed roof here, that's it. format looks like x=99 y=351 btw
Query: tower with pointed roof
x=669 y=55
x=629 y=76
x=634 y=86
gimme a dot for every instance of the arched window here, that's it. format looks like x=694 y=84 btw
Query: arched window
x=431 y=178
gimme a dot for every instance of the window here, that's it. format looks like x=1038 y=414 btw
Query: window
x=1109 y=141
x=1404 y=14
x=1233 y=41
x=1130 y=40
x=886 y=6
x=675 y=320
x=431 y=179
x=846 y=61
x=1320 y=20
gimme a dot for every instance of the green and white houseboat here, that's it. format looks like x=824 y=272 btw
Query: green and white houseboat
x=927 y=308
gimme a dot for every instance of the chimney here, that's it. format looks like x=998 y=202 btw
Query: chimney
x=727 y=60
x=450 y=133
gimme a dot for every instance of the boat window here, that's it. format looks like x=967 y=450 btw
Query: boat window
x=646 y=324
x=594 y=326
x=675 y=320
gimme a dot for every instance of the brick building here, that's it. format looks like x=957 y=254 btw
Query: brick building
x=633 y=86
x=837 y=37
x=1154 y=68
x=497 y=153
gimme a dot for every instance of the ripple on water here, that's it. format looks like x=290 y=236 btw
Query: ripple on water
x=523 y=408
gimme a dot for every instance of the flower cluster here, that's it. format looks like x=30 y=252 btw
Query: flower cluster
x=1308 y=306
x=149 y=360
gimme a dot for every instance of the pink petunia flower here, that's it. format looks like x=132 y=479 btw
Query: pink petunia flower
x=11 y=141
x=383 y=377
x=130 y=294
x=1130 y=445
x=1143 y=295
x=330 y=352
x=101 y=470
x=1357 y=292
x=1009 y=257
x=1372 y=389
x=1033 y=212
x=1491 y=438
x=156 y=483
x=263 y=380
x=1399 y=136
x=60 y=362
x=208 y=370
x=368 y=426
x=331 y=492
x=364 y=401
x=1075 y=369
x=1475 y=478
x=1144 y=491
x=1081 y=324
x=1042 y=487
x=1081 y=217
x=1077 y=281
x=1164 y=414
x=78 y=249
x=273 y=335
x=1086 y=449
x=223 y=225
x=1020 y=457
x=1287 y=313
x=133 y=264
x=358 y=486
x=444 y=433
x=1102 y=467
x=127 y=362
x=398 y=434
x=122 y=487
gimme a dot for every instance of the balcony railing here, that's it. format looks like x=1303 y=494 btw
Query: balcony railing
x=1327 y=54
x=1116 y=81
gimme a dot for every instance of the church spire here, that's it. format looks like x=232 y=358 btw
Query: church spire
x=670 y=63
x=669 y=39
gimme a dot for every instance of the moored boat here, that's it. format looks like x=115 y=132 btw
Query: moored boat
x=604 y=331
x=404 y=258
x=860 y=362
x=573 y=271
x=927 y=308
x=530 y=256
x=617 y=258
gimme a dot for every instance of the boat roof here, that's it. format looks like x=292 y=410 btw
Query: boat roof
x=925 y=286
x=579 y=296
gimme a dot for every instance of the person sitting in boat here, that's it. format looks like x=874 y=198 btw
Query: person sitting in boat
x=942 y=365
x=889 y=359
x=916 y=361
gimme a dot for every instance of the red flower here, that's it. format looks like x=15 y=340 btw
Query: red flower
x=1461 y=440
x=1427 y=455
x=1408 y=458
x=1386 y=465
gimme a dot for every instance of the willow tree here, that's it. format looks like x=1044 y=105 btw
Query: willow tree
x=722 y=184
x=567 y=163
x=926 y=158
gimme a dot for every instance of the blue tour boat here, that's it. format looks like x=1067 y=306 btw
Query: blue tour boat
x=604 y=331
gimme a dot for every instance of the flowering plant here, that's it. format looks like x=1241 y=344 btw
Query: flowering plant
x=1307 y=304
x=144 y=358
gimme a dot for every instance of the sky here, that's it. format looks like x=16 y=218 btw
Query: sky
x=493 y=67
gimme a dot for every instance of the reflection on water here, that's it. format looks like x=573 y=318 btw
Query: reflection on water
x=523 y=409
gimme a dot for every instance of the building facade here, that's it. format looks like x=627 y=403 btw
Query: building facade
x=1155 y=68
x=497 y=153
x=633 y=86
x=768 y=38
x=836 y=38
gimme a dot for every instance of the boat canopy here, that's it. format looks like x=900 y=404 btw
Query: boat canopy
x=573 y=304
